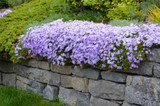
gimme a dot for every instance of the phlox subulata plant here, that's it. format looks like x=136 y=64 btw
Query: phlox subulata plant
x=89 y=43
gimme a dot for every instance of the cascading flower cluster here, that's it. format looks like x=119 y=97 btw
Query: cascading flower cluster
x=96 y=44
x=5 y=13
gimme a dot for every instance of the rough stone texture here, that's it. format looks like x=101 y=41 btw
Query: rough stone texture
x=36 y=85
x=86 y=73
x=19 y=84
x=113 y=76
x=44 y=65
x=9 y=79
x=21 y=70
x=101 y=102
x=107 y=89
x=144 y=69
x=32 y=63
x=127 y=104
x=155 y=56
x=6 y=67
x=68 y=96
x=83 y=99
x=23 y=80
x=156 y=71
x=61 y=69
x=143 y=91
x=50 y=92
x=44 y=76
x=66 y=81
x=80 y=84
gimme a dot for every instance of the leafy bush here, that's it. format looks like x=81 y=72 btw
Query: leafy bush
x=124 y=22
x=14 y=24
x=14 y=3
x=127 y=11
x=148 y=4
x=113 y=9
x=4 y=3
x=154 y=14
x=87 y=43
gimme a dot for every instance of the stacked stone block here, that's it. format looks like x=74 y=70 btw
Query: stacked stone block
x=89 y=86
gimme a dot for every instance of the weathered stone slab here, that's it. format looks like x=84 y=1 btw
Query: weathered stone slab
x=50 y=92
x=144 y=69
x=68 y=96
x=44 y=65
x=19 y=84
x=143 y=91
x=9 y=79
x=23 y=80
x=61 y=69
x=127 y=104
x=37 y=86
x=114 y=76
x=101 y=102
x=156 y=70
x=106 y=89
x=6 y=67
x=44 y=76
x=66 y=81
x=83 y=99
x=32 y=63
x=155 y=56
x=21 y=70
x=86 y=73
x=80 y=84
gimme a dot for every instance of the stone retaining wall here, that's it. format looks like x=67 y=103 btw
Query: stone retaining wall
x=87 y=87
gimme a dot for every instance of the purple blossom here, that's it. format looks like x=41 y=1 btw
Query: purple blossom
x=5 y=13
x=91 y=43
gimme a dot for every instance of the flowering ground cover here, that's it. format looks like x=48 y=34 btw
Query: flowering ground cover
x=5 y=13
x=88 y=43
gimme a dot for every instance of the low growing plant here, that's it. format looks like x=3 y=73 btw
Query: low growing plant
x=13 y=24
x=86 y=43
x=17 y=97
x=154 y=14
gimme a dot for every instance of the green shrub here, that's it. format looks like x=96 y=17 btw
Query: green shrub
x=17 y=2
x=4 y=3
x=119 y=9
x=13 y=24
x=124 y=11
x=154 y=14
x=119 y=22
x=148 y=4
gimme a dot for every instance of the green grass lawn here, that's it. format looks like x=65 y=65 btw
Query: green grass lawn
x=17 y=97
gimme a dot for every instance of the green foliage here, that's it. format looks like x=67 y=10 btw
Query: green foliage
x=154 y=14
x=123 y=10
x=17 y=2
x=124 y=22
x=113 y=9
x=4 y=3
x=148 y=4
x=17 y=97
x=12 y=25
x=34 y=13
